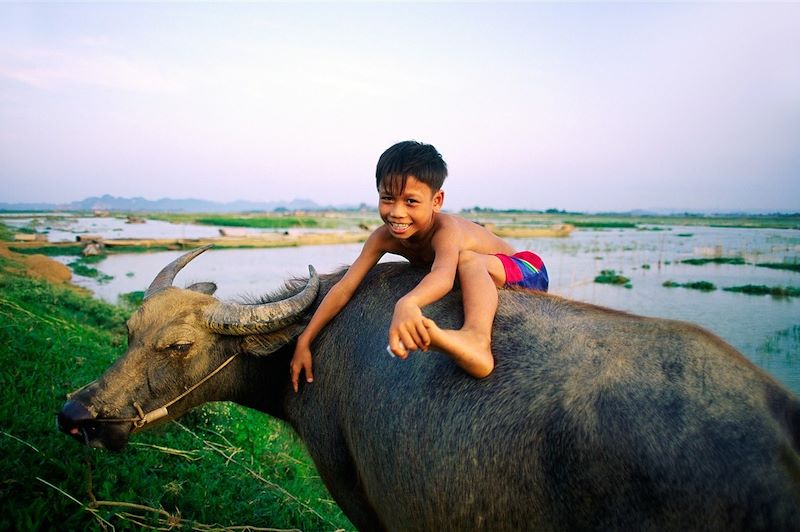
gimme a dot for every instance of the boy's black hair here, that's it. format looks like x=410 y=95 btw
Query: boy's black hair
x=410 y=158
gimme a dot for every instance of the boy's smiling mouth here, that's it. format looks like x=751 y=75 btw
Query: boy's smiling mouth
x=398 y=228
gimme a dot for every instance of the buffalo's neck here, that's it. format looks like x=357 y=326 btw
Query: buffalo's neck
x=262 y=382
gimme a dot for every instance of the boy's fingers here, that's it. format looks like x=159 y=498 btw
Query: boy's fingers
x=309 y=373
x=408 y=341
x=394 y=344
x=425 y=338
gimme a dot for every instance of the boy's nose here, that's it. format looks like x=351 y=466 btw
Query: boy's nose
x=398 y=210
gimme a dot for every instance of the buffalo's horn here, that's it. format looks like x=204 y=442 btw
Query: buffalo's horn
x=239 y=319
x=167 y=275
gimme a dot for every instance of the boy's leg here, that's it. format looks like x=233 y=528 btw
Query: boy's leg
x=470 y=347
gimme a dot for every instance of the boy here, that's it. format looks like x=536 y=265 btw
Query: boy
x=409 y=178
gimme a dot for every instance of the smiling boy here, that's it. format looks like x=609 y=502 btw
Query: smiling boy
x=409 y=177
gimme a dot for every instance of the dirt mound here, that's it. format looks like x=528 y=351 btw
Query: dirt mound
x=39 y=266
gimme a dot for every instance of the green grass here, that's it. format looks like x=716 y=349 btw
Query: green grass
x=714 y=260
x=261 y=222
x=222 y=465
x=703 y=286
x=49 y=250
x=761 y=290
x=131 y=300
x=602 y=224
x=612 y=277
x=791 y=266
x=81 y=267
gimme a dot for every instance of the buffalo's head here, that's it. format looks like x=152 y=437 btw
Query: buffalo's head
x=181 y=344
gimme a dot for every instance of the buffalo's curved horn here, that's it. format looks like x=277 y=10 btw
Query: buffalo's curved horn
x=167 y=275
x=238 y=319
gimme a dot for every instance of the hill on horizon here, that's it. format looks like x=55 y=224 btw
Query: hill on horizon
x=139 y=204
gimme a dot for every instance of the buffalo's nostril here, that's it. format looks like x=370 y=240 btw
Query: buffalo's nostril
x=72 y=414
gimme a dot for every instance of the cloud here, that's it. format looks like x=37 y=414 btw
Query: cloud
x=87 y=66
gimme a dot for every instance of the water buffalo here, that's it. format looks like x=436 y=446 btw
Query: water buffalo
x=592 y=418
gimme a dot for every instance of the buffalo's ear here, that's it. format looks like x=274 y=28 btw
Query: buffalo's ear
x=266 y=344
x=203 y=288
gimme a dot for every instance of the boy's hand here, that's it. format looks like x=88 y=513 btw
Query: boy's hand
x=407 y=331
x=301 y=361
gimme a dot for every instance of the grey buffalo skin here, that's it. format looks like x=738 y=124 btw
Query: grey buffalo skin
x=592 y=419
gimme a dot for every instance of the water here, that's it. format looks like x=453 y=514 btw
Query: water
x=66 y=228
x=765 y=329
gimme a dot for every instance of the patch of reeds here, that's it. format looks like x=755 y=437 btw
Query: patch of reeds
x=261 y=222
x=791 y=266
x=612 y=277
x=81 y=267
x=602 y=224
x=714 y=260
x=703 y=286
x=762 y=290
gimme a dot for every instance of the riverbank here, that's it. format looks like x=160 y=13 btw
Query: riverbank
x=244 y=240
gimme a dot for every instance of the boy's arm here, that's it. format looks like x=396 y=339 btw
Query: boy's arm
x=333 y=302
x=407 y=331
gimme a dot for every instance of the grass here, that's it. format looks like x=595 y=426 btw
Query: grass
x=612 y=277
x=761 y=290
x=222 y=464
x=714 y=260
x=131 y=300
x=602 y=224
x=260 y=222
x=49 y=250
x=81 y=267
x=791 y=266
x=703 y=286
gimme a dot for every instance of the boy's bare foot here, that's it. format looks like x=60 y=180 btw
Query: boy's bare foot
x=472 y=351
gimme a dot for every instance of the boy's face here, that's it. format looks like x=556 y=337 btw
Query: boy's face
x=409 y=212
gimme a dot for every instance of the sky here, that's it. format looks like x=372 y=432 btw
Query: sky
x=577 y=106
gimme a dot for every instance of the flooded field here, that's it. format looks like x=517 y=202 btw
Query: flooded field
x=765 y=328
x=66 y=228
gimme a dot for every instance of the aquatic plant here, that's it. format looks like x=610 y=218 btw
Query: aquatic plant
x=760 y=290
x=714 y=260
x=612 y=277
x=703 y=286
x=264 y=222
x=791 y=266
x=610 y=224
x=79 y=267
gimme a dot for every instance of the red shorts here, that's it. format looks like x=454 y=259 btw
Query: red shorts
x=525 y=269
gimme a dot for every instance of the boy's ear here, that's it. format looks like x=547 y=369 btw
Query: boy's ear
x=438 y=200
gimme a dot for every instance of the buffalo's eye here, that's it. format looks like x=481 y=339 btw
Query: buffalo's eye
x=180 y=348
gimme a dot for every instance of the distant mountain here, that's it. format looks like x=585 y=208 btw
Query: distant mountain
x=113 y=203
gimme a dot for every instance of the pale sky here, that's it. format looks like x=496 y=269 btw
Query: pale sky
x=578 y=106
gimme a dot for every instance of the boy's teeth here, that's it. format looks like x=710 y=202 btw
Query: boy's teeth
x=399 y=226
